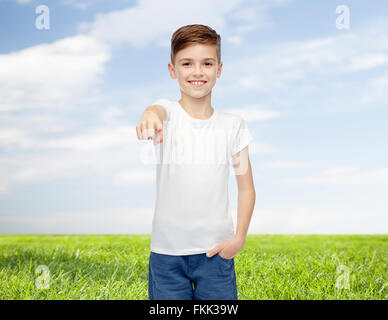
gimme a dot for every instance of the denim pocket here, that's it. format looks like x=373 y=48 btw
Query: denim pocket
x=224 y=258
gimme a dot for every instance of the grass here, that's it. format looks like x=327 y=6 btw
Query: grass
x=269 y=267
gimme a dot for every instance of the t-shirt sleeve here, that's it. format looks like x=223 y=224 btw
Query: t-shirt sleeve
x=166 y=104
x=241 y=137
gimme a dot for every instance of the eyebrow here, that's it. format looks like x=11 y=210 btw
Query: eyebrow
x=192 y=59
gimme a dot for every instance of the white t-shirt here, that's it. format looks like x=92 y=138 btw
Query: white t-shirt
x=192 y=213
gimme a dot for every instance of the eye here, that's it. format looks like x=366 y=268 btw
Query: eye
x=186 y=63
x=208 y=63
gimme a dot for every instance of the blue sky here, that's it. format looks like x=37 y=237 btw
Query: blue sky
x=313 y=95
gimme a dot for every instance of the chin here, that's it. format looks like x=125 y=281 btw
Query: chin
x=197 y=95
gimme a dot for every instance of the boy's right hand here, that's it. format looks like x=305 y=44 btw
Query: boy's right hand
x=150 y=127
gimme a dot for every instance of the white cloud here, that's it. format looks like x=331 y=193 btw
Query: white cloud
x=367 y=61
x=125 y=220
x=100 y=138
x=23 y=1
x=104 y=152
x=82 y=5
x=254 y=113
x=352 y=219
x=14 y=136
x=134 y=177
x=312 y=65
x=380 y=81
x=293 y=164
x=306 y=220
x=51 y=75
x=139 y=26
x=257 y=147
x=339 y=170
x=235 y=40
x=352 y=177
x=3 y=188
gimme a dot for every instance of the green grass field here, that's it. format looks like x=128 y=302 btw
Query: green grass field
x=269 y=267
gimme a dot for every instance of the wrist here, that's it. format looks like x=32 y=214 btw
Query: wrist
x=240 y=238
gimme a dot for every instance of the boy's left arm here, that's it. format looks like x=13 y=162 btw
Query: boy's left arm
x=246 y=202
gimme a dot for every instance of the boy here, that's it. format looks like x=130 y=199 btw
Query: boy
x=193 y=241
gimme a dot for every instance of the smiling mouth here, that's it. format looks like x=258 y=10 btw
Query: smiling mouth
x=197 y=84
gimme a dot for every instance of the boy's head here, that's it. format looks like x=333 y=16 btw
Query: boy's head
x=195 y=55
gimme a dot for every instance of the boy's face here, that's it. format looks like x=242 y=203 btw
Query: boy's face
x=196 y=62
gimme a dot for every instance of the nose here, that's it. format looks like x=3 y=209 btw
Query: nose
x=197 y=71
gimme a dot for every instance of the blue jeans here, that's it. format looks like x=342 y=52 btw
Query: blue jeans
x=191 y=277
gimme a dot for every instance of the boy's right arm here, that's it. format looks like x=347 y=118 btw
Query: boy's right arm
x=151 y=124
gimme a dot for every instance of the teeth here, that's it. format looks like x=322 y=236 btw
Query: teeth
x=197 y=83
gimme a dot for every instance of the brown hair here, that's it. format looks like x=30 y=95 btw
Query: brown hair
x=191 y=34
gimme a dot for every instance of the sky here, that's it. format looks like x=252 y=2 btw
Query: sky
x=308 y=80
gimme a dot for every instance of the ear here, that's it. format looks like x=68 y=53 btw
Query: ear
x=171 y=69
x=219 y=69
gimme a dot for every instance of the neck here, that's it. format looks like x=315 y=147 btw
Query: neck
x=199 y=108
